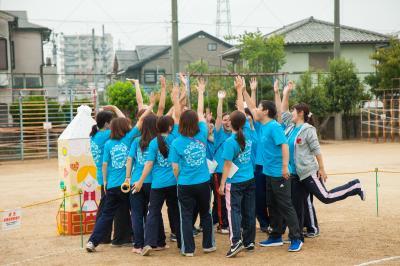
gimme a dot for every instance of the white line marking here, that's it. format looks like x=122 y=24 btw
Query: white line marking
x=378 y=261
x=42 y=256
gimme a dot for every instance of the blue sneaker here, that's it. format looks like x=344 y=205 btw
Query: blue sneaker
x=271 y=242
x=295 y=245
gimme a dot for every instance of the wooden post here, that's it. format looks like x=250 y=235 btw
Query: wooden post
x=376 y=121
x=369 y=121
x=384 y=117
x=391 y=119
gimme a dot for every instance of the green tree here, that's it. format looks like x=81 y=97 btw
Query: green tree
x=122 y=95
x=314 y=95
x=262 y=54
x=344 y=89
x=387 y=68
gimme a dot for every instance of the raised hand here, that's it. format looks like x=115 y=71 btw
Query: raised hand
x=221 y=94
x=182 y=78
x=238 y=83
x=201 y=85
x=289 y=87
x=163 y=82
x=276 y=86
x=253 y=84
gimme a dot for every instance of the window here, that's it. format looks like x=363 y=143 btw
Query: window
x=150 y=76
x=319 y=60
x=3 y=54
x=212 y=47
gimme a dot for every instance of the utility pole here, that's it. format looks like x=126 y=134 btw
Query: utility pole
x=336 y=44
x=174 y=46
x=94 y=57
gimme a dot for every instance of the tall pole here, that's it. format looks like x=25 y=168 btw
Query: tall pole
x=175 y=47
x=94 y=57
x=336 y=44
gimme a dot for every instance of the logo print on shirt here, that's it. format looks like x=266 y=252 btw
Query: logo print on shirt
x=141 y=156
x=162 y=162
x=195 y=153
x=119 y=154
x=96 y=153
x=245 y=156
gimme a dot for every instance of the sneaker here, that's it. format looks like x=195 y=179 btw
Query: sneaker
x=137 y=250
x=161 y=248
x=235 y=249
x=146 y=251
x=295 y=245
x=271 y=242
x=287 y=241
x=187 y=254
x=363 y=194
x=173 y=238
x=90 y=247
x=223 y=231
x=311 y=234
x=209 y=250
x=250 y=247
x=269 y=230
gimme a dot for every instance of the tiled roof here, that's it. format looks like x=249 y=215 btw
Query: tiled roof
x=313 y=31
x=126 y=58
x=23 y=22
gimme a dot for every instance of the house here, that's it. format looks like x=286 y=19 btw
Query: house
x=147 y=62
x=21 y=54
x=309 y=46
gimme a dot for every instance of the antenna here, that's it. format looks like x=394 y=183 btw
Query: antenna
x=223 y=23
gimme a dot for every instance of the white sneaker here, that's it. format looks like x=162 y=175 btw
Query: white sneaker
x=188 y=254
x=209 y=250
x=90 y=247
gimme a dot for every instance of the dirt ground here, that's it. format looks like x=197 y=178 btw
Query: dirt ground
x=350 y=231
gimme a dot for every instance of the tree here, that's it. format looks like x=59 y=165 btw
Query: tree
x=122 y=94
x=313 y=94
x=387 y=67
x=262 y=54
x=344 y=89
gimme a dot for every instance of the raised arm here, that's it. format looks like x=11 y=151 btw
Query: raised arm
x=104 y=171
x=201 y=86
x=250 y=104
x=285 y=98
x=183 y=97
x=163 y=95
x=139 y=97
x=114 y=109
x=278 y=101
x=218 y=121
x=148 y=111
x=240 y=85
x=253 y=87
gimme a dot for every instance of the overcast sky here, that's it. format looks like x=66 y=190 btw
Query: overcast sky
x=136 y=22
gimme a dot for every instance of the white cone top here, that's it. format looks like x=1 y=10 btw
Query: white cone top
x=81 y=126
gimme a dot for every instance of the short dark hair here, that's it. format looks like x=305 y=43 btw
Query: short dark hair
x=119 y=127
x=102 y=118
x=189 y=123
x=270 y=106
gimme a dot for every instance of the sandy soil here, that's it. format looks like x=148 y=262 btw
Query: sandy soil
x=350 y=231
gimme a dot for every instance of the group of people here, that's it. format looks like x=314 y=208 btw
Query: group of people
x=259 y=161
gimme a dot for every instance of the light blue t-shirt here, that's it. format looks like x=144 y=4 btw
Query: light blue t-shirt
x=139 y=159
x=292 y=142
x=163 y=175
x=210 y=150
x=97 y=143
x=242 y=159
x=190 y=155
x=260 y=129
x=220 y=137
x=115 y=155
x=271 y=139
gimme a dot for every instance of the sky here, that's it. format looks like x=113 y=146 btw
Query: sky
x=138 y=22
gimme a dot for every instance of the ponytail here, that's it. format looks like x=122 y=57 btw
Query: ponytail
x=95 y=129
x=162 y=146
x=241 y=139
